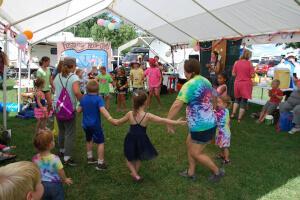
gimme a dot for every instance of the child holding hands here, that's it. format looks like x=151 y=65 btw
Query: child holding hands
x=91 y=105
x=137 y=145
x=51 y=168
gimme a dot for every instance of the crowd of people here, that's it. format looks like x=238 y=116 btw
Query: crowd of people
x=207 y=117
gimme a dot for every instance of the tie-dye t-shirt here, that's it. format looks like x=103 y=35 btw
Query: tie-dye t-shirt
x=197 y=94
x=49 y=166
x=223 y=130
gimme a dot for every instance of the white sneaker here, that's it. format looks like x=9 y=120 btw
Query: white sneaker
x=294 y=130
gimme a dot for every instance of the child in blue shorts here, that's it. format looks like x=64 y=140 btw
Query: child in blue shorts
x=91 y=105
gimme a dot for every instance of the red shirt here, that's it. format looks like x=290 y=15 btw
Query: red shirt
x=272 y=94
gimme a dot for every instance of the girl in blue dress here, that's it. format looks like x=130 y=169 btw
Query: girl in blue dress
x=137 y=145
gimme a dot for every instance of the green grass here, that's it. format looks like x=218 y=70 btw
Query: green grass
x=265 y=164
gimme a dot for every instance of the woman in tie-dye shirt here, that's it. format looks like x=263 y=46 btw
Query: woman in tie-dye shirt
x=197 y=94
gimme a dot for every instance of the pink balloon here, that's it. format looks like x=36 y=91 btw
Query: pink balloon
x=100 y=22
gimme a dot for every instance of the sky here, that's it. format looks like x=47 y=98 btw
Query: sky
x=269 y=49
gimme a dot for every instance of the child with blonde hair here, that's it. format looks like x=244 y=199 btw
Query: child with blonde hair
x=137 y=145
x=223 y=133
x=20 y=180
x=51 y=168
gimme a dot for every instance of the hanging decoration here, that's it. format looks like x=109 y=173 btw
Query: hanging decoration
x=28 y=34
x=111 y=25
x=21 y=39
x=100 y=22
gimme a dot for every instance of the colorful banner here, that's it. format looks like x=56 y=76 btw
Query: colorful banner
x=87 y=54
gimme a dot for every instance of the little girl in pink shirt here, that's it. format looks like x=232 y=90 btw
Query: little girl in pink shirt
x=154 y=80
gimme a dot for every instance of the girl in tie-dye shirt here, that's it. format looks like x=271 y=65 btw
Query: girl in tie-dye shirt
x=51 y=168
x=223 y=133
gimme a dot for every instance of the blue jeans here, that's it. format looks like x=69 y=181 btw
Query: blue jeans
x=53 y=191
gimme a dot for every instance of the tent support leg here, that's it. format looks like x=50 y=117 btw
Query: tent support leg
x=19 y=86
x=5 y=46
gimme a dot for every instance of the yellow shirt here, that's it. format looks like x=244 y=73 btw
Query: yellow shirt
x=137 y=77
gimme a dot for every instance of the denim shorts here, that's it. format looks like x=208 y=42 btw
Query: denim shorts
x=53 y=191
x=203 y=137
x=94 y=134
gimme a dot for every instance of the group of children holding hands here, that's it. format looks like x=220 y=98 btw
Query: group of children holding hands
x=137 y=145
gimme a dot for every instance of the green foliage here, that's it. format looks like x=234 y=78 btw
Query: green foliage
x=294 y=45
x=118 y=37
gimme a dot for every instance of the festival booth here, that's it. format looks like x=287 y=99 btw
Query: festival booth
x=174 y=23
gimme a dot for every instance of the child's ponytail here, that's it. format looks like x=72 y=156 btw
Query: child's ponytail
x=139 y=99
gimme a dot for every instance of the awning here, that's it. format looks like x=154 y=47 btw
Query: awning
x=173 y=22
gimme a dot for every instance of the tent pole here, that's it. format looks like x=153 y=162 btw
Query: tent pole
x=152 y=49
x=217 y=18
x=19 y=86
x=5 y=49
x=28 y=67
x=121 y=16
x=173 y=62
x=68 y=16
x=64 y=28
x=38 y=13
x=118 y=59
x=171 y=24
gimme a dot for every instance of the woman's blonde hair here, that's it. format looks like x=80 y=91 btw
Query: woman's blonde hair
x=18 y=179
x=246 y=55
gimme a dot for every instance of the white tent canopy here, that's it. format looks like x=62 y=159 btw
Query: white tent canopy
x=46 y=18
x=173 y=22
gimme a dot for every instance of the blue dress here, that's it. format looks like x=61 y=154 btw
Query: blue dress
x=137 y=145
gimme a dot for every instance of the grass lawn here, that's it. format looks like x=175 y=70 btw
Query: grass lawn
x=265 y=164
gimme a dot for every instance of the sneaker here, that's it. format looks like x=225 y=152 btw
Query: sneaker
x=91 y=161
x=294 y=130
x=226 y=162
x=101 y=167
x=217 y=177
x=70 y=163
x=186 y=175
x=61 y=155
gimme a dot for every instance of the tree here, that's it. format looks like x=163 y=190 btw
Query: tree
x=90 y=28
x=116 y=37
x=294 y=45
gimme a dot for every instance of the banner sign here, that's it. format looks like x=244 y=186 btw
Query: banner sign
x=87 y=54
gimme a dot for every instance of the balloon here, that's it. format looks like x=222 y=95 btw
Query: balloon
x=100 y=22
x=21 y=39
x=28 y=34
x=111 y=26
x=117 y=25
x=106 y=22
